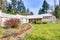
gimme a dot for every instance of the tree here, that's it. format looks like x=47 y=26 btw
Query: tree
x=45 y=6
x=21 y=7
x=2 y=5
x=12 y=23
x=57 y=12
x=13 y=3
x=31 y=13
x=9 y=9
x=14 y=8
x=27 y=10
x=40 y=11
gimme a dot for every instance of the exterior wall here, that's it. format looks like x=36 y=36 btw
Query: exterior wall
x=49 y=19
x=3 y=20
x=22 y=20
x=0 y=20
x=25 y=20
x=35 y=20
x=53 y=19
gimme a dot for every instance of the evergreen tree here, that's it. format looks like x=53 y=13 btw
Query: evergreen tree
x=9 y=9
x=57 y=12
x=31 y=13
x=21 y=7
x=40 y=11
x=6 y=6
x=2 y=5
x=27 y=10
x=13 y=3
x=14 y=8
x=45 y=6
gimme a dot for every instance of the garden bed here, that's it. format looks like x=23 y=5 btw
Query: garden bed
x=21 y=32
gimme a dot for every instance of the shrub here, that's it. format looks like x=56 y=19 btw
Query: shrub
x=9 y=32
x=44 y=22
x=38 y=22
x=12 y=23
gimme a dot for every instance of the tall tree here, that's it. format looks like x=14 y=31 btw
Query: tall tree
x=45 y=6
x=2 y=5
x=31 y=13
x=9 y=9
x=13 y=3
x=27 y=10
x=21 y=6
x=40 y=11
x=57 y=12
x=6 y=6
x=14 y=8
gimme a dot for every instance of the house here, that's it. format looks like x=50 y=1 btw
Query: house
x=47 y=17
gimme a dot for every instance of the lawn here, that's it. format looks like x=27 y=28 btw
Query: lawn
x=1 y=30
x=45 y=32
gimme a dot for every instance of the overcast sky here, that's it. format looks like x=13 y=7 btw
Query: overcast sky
x=35 y=5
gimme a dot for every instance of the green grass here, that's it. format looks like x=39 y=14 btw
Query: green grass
x=1 y=30
x=45 y=32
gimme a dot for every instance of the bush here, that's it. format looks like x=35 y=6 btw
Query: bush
x=38 y=22
x=44 y=22
x=12 y=23
x=9 y=32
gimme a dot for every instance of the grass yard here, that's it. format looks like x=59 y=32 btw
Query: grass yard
x=1 y=30
x=45 y=32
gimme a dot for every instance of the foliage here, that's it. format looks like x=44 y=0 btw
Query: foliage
x=15 y=7
x=20 y=6
x=2 y=5
x=57 y=12
x=12 y=23
x=45 y=7
x=31 y=13
x=37 y=22
x=45 y=32
x=9 y=9
x=1 y=30
x=9 y=32
x=19 y=38
x=13 y=3
x=40 y=11
x=44 y=22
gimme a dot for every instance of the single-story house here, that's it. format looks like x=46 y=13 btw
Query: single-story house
x=47 y=17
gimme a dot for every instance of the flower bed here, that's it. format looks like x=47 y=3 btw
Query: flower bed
x=19 y=32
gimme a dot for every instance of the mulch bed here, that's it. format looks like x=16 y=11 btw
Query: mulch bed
x=18 y=33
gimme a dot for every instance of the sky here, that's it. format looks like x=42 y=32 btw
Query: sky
x=35 y=5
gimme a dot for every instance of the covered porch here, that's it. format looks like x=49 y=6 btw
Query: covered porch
x=35 y=20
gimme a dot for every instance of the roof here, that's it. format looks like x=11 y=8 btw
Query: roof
x=39 y=16
x=11 y=16
x=21 y=16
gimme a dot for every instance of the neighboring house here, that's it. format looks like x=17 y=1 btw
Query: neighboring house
x=47 y=17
